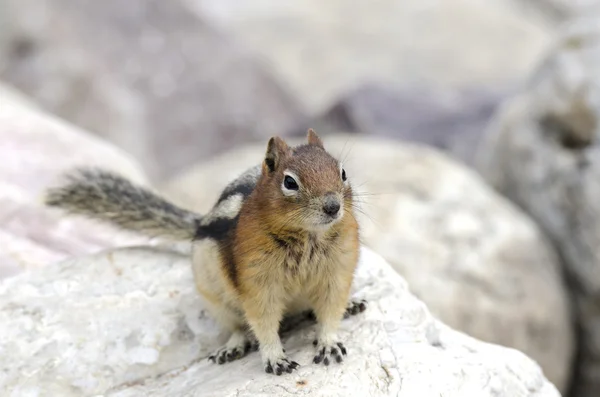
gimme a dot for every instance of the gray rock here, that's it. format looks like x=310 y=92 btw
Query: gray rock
x=548 y=13
x=543 y=151
x=478 y=262
x=561 y=10
x=154 y=77
x=451 y=120
x=130 y=323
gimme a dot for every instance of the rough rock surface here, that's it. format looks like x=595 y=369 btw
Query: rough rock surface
x=477 y=262
x=129 y=323
x=35 y=148
x=543 y=151
x=152 y=76
x=324 y=49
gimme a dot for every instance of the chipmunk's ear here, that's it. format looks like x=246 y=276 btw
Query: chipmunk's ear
x=313 y=138
x=276 y=149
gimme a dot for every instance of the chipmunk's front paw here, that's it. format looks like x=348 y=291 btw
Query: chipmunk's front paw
x=329 y=352
x=237 y=347
x=281 y=365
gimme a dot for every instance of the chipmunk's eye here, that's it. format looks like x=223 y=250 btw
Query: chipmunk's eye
x=344 y=175
x=290 y=183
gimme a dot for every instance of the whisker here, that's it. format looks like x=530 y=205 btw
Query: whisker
x=349 y=150
x=342 y=151
x=367 y=215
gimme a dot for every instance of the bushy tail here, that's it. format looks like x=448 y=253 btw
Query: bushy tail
x=105 y=196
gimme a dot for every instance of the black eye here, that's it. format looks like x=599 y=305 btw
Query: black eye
x=343 y=175
x=289 y=183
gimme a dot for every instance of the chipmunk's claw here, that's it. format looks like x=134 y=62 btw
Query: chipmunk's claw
x=355 y=307
x=280 y=366
x=238 y=346
x=330 y=353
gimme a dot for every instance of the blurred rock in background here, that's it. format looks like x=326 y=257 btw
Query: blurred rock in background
x=543 y=151
x=449 y=120
x=425 y=71
x=323 y=50
x=557 y=10
x=35 y=149
x=176 y=82
x=151 y=76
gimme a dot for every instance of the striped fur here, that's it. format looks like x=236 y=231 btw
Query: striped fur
x=108 y=197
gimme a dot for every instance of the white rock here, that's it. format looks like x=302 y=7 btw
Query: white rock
x=129 y=323
x=478 y=263
x=35 y=149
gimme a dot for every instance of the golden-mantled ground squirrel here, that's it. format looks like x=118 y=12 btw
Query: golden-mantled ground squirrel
x=282 y=239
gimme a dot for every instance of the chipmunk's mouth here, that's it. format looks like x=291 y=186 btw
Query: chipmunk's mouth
x=323 y=223
x=331 y=219
x=328 y=211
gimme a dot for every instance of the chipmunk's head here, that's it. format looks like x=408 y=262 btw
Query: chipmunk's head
x=308 y=188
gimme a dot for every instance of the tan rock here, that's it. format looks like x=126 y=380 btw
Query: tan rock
x=480 y=264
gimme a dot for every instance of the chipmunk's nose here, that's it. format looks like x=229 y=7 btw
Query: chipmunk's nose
x=331 y=206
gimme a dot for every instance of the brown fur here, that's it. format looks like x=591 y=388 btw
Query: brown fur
x=281 y=266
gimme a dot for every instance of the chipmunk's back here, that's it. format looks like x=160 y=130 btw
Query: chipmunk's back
x=223 y=217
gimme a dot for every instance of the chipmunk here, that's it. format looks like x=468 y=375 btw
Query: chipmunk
x=281 y=239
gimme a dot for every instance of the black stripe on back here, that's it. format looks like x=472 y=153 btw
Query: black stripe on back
x=245 y=189
x=222 y=230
